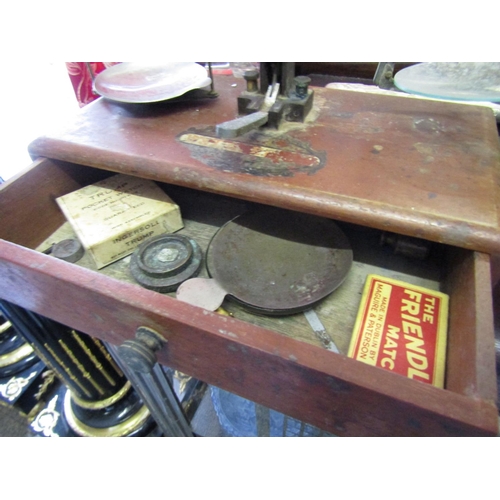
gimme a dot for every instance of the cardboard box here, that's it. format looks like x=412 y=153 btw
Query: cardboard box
x=402 y=328
x=112 y=217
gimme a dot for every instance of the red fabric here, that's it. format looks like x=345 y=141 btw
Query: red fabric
x=81 y=79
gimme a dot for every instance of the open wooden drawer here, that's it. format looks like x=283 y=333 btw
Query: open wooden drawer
x=277 y=362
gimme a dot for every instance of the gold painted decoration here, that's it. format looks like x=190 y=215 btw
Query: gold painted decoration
x=14 y=387
x=103 y=403
x=123 y=429
x=16 y=355
x=47 y=419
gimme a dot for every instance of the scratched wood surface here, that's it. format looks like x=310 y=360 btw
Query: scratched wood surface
x=412 y=166
x=204 y=213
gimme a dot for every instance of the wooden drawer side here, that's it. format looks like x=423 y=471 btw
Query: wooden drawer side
x=471 y=349
x=29 y=213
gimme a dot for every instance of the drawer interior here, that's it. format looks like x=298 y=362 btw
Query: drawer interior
x=33 y=220
x=203 y=214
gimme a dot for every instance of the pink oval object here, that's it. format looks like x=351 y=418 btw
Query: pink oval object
x=202 y=292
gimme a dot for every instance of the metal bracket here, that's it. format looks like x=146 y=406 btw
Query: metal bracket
x=282 y=96
x=384 y=75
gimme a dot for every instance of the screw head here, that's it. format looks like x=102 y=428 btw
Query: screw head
x=302 y=81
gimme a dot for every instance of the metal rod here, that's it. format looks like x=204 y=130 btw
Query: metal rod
x=211 y=76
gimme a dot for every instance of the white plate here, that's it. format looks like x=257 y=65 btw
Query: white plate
x=142 y=83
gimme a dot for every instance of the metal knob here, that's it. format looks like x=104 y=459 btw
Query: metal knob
x=301 y=85
x=69 y=250
x=139 y=354
x=251 y=76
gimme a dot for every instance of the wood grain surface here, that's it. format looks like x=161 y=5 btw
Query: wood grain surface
x=411 y=166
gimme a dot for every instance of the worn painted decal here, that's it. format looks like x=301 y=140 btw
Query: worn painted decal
x=258 y=154
x=273 y=154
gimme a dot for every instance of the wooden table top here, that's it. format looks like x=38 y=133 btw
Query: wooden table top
x=411 y=166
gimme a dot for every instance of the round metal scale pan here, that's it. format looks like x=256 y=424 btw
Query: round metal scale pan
x=461 y=81
x=278 y=262
x=131 y=82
